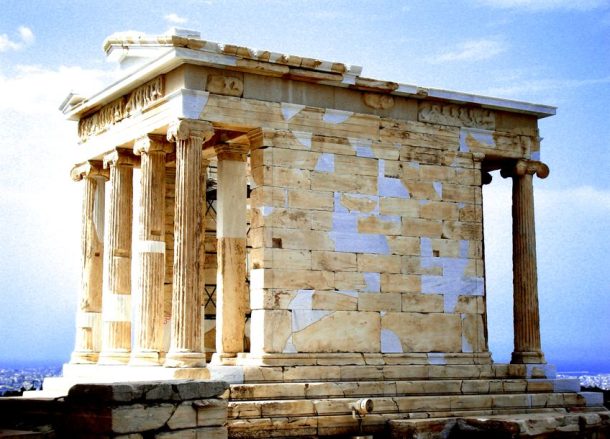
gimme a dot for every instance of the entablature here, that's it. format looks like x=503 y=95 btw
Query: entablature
x=162 y=54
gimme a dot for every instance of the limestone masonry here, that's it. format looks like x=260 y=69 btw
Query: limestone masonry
x=312 y=237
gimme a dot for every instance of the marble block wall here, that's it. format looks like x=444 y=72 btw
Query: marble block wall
x=371 y=243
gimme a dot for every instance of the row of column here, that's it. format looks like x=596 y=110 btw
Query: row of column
x=104 y=321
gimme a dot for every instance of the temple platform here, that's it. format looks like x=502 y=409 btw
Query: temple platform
x=316 y=400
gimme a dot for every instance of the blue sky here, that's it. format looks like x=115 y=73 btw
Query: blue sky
x=554 y=52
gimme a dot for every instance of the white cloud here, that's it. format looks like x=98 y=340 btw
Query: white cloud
x=26 y=37
x=547 y=5
x=175 y=18
x=26 y=34
x=33 y=89
x=472 y=50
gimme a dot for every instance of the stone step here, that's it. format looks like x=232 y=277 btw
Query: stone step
x=382 y=372
x=404 y=404
x=535 y=425
x=381 y=424
x=311 y=390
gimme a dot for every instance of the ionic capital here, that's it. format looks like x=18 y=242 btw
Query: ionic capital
x=120 y=157
x=183 y=129
x=152 y=143
x=89 y=169
x=526 y=167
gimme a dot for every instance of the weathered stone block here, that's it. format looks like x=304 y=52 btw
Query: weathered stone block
x=310 y=200
x=362 y=184
x=404 y=245
x=330 y=300
x=473 y=333
x=139 y=418
x=341 y=331
x=379 y=263
x=399 y=206
x=400 y=283
x=423 y=303
x=422 y=227
x=347 y=280
x=425 y=332
x=270 y=330
x=333 y=261
x=301 y=239
x=172 y=390
x=355 y=203
x=281 y=177
x=379 y=302
x=185 y=416
x=211 y=412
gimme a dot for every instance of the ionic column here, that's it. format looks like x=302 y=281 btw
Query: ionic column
x=186 y=346
x=150 y=248
x=116 y=306
x=89 y=314
x=525 y=279
x=231 y=254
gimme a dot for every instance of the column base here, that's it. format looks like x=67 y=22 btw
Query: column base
x=84 y=357
x=184 y=359
x=114 y=358
x=224 y=359
x=527 y=358
x=145 y=358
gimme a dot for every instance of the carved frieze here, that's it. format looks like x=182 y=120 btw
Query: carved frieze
x=225 y=85
x=96 y=123
x=110 y=114
x=378 y=101
x=143 y=96
x=455 y=115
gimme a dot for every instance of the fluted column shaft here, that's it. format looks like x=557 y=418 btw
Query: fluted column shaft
x=526 y=313
x=148 y=334
x=186 y=346
x=231 y=292
x=89 y=315
x=116 y=312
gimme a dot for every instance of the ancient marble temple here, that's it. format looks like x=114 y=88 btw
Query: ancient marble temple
x=310 y=235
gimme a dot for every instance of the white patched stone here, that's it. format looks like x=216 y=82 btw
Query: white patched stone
x=373 y=282
x=390 y=187
x=302 y=300
x=301 y=318
x=475 y=136
x=390 y=343
x=290 y=110
x=326 y=163
x=362 y=147
x=360 y=243
x=336 y=116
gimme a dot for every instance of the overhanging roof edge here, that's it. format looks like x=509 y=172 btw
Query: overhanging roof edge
x=176 y=56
